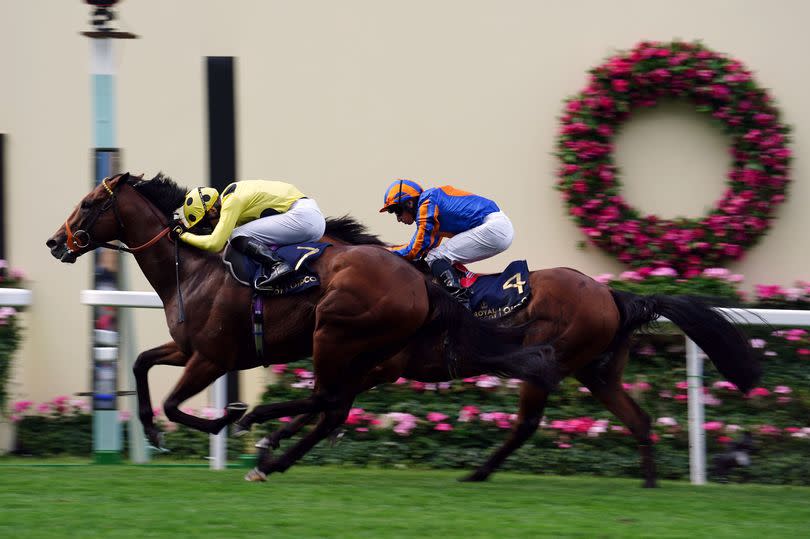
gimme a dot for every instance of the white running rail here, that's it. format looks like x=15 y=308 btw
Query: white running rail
x=694 y=365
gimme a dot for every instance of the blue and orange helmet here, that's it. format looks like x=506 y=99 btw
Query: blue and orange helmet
x=398 y=192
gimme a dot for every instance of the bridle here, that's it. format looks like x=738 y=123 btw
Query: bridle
x=79 y=240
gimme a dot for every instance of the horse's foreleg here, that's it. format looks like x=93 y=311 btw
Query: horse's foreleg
x=382 y=374
x=266 y=412
x=385 y=373
x=198 y=375
x=532 y=403
x=165 y=354
x=289 y=430
x=330 y=420
x=273 y=440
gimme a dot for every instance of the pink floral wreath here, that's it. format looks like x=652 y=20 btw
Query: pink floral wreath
x=718 y=85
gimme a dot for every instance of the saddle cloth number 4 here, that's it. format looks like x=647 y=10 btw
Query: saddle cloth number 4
x=514 y=282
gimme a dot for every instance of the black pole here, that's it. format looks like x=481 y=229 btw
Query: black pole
x=222 y=144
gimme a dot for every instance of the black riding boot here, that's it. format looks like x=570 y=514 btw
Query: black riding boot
x=274 y=265
x=449 y=279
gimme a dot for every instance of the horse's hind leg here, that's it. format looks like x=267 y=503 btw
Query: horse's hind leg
x=165 y=354
x=532 y=403
x=604 y=382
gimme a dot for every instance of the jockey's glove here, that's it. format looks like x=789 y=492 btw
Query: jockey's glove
x=177 y=230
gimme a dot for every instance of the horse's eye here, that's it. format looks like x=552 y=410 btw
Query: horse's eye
x=85 y=204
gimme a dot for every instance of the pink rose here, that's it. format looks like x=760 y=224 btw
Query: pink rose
x=759 y=392
x=713 y=425
x=436 y=417
x=620 y=85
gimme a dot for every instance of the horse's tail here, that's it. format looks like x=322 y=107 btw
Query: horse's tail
x=482 y=346
x=727 y=347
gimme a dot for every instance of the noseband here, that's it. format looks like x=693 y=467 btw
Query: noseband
x=81 y=239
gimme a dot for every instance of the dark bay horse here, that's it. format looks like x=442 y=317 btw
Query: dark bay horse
x=589 y=326
x=370 y=306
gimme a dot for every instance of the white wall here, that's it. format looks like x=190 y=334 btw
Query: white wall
x=342 y=97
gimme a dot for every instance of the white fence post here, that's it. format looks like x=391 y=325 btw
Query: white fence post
x=217 y=443
x=697 y=435
x=138 y=452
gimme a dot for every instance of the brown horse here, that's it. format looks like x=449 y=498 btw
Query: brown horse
x=370 y=306
x=590 y=326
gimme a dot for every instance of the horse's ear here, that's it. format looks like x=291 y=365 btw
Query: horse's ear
x=124 y=177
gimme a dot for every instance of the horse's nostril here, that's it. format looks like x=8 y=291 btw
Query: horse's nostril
x=51 y=243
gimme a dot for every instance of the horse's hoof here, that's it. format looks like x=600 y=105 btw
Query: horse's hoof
x=238 y=430
x=476 y=477
x=154 y=441
x=264 y=443
x=256 y=476
x=335 y=437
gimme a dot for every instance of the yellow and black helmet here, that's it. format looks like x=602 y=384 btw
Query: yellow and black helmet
x=198 y=202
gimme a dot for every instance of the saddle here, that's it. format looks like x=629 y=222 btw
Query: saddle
x=245 y=270
x=494 y=296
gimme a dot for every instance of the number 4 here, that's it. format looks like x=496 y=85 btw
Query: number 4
x=514 y=282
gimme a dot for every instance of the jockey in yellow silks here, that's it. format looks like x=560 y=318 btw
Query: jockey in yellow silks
x=253 y=214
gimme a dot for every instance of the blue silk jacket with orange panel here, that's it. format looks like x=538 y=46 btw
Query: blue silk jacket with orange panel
x=443 y=212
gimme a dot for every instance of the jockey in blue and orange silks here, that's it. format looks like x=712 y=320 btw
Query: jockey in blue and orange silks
x=474 y=226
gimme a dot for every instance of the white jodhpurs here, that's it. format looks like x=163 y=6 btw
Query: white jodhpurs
x=302 y=222
x=491 y=237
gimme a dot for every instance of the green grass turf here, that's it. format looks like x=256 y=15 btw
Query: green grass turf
x=139 y=502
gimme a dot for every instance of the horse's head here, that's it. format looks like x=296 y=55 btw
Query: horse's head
x=93 y=222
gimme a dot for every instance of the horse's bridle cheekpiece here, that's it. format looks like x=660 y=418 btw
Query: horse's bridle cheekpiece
x=76 y=241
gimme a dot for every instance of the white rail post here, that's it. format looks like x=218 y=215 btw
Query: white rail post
x=217 y=442
x=137 y=438
x=697 y=436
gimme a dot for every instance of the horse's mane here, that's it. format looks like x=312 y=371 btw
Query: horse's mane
x=162 y=191
x=348 y=230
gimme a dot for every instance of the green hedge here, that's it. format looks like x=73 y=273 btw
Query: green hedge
x=65 y=427
x=776 y=413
